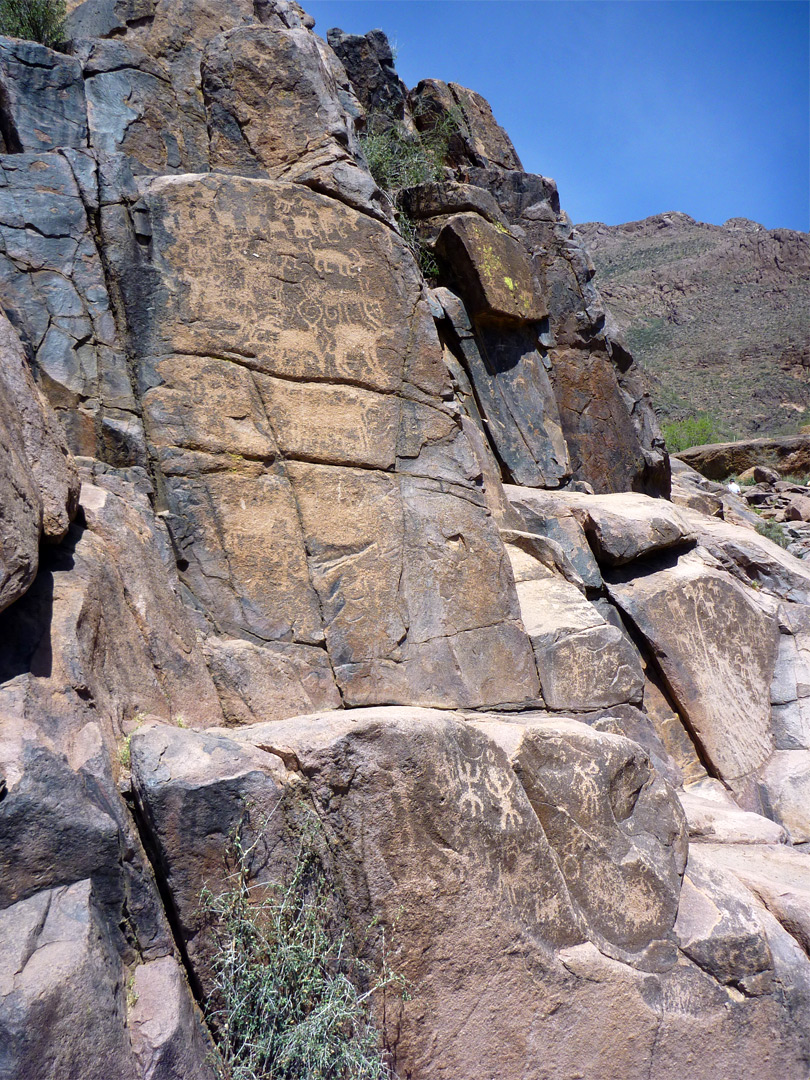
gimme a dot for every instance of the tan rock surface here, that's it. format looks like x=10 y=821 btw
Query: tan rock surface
x=717 y=652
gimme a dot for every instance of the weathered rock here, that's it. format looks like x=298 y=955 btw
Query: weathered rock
x=42 y=94
x=62 y=1007
x=752 y=557
x=615 y=826
x=491 y=270
x=480 y=140
x=778 y=876
x=52 y=286
x=134 y=109
x=63 y=999
x=583 y=661
x=717 y=925
x=270 y=682
x=369 y=63
x=717 y=651
x=430 y=828
x=166 y=1030
x=786 y=779
x=556 y=519
x=712 y=815
x=509 y=377
x=397 y=563
x=43 y=442
x=787 y=455
x=275 y=110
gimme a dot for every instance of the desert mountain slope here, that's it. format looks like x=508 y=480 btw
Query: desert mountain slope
x=719 y=315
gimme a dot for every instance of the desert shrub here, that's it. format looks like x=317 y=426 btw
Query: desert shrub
x=33 y=20
x=773 y=531
x=399 y=159
x=693 y=431
x=290 y=1000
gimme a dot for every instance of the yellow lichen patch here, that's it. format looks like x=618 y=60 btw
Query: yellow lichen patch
x=509 y=284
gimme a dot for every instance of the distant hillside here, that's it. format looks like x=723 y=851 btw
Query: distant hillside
x=718 y=315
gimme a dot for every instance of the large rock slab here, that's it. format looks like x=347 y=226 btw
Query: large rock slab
x=491 y=269
x=583 y=661
x=54 y=290
x=304 y=405
x=39 y=485
x=432 y=834
x=43 y=98
x=275 y=108
x=619 y=527
x=614 y=824
x=753 y=558
x=507 y=371
x=713 y=816
x=716 y=650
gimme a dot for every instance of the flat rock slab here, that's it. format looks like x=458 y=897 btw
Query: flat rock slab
x=320 y=488
x=720 y=820
x=619 y=527
x=778 y=875
x=716 y=650
x=492 y=269
x=753 y=557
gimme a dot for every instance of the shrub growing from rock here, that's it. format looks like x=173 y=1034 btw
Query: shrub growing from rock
x=34 y=20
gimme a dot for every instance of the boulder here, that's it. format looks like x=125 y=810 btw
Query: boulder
x=713 y=816
x=369 y=63
x=787 y=455
x=615 y=826
x=434 y=839
x=62 y=995
x=777 y=875
x=583 y=661
x=274 y=109
x=723 y=698
x=480 y=140
x=67 y=1007
x=491 y=270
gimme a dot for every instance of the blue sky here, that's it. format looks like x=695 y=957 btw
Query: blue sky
x=635 y=107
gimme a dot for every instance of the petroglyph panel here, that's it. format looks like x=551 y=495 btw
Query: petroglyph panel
x=342 y=425
x=287 y=281
x=717 y=652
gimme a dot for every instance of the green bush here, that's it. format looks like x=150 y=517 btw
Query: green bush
x=773 y=531
x=287 y=1002
x=399 y=159
x=693 y=431
x=34 y=20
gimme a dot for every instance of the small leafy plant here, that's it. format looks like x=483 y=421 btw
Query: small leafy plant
x=290 y=1000
x=34 y=20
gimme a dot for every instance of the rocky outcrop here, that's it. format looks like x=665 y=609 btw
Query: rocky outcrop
x=717 y=314
x=551 y=745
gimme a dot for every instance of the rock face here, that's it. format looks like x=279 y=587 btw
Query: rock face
x=363 y=556
x=718 y=315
